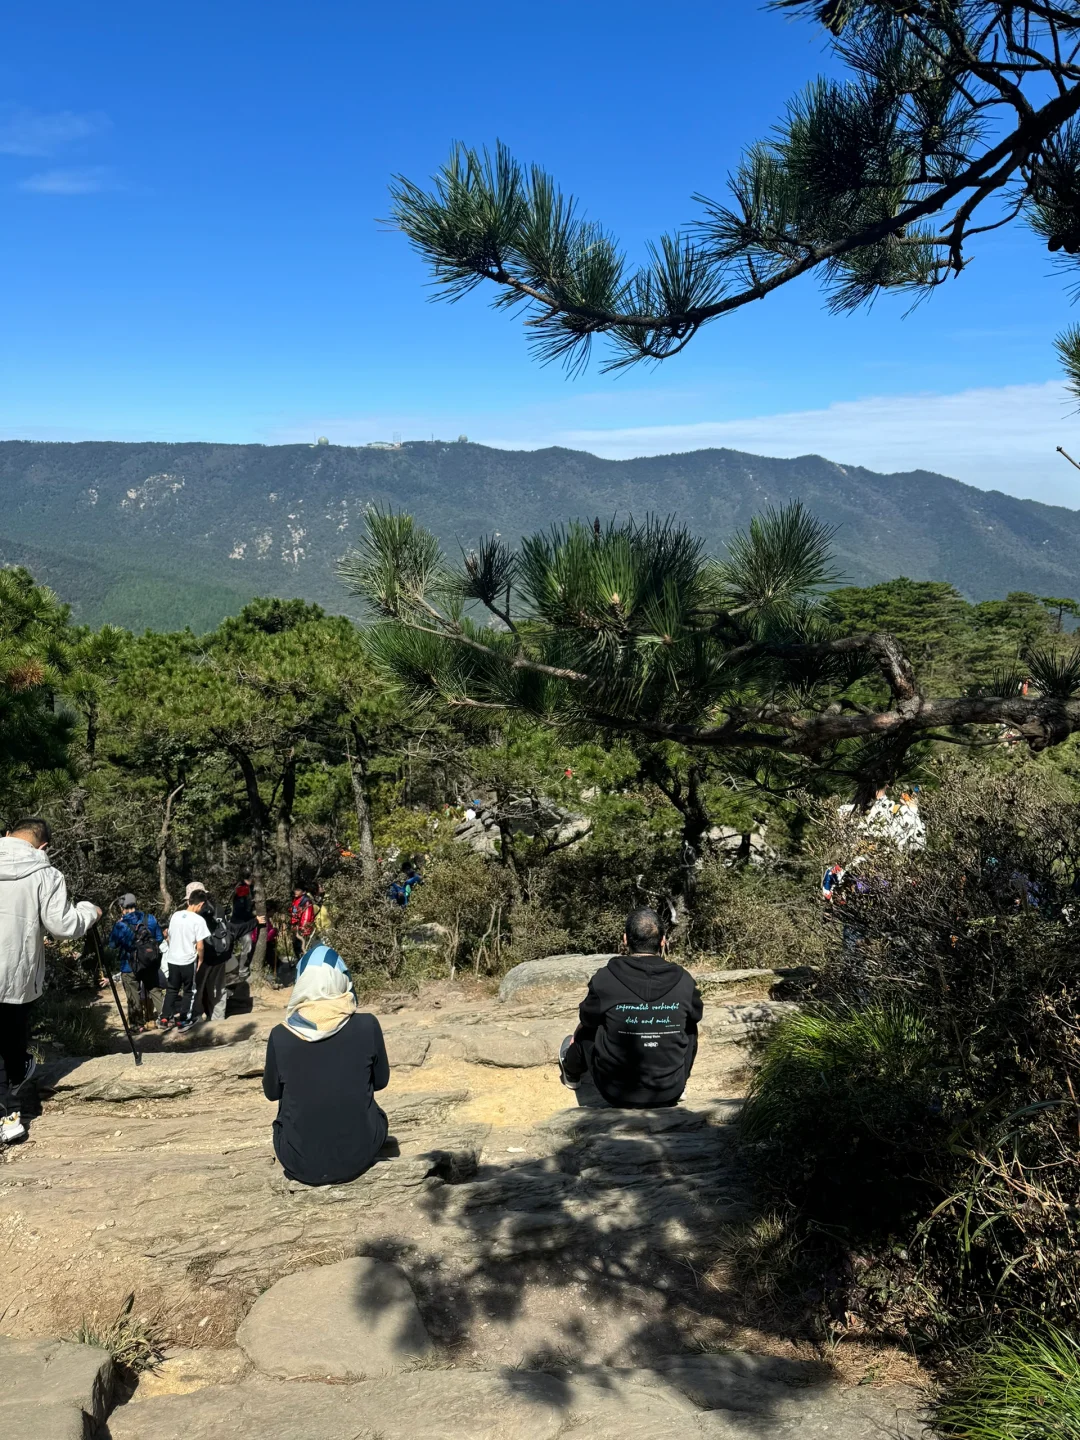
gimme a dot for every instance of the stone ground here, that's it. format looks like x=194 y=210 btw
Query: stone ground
x=561 y=1254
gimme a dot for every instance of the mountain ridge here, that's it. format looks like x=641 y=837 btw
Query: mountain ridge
x=161 y=534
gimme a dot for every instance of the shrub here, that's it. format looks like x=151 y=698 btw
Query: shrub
x=366 y=929
x=927 y=1107
x=70 y=1024
x=745 y=916
x=842 y=1112
x=1024 y=1387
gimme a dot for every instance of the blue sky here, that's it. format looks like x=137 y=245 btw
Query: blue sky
x=190 y=247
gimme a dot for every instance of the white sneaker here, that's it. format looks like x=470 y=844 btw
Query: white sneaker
x=11 y=1128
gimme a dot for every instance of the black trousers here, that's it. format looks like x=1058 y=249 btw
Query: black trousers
x=578 y=1060
x=181 y=983
x=208 y=990
x=14 y=1041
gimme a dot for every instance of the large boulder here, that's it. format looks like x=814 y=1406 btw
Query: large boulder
x=555 y=972
x=337 y=1322
x=52 y=1389
x=573 y=971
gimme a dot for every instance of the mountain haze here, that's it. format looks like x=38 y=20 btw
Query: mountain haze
x=160 y=535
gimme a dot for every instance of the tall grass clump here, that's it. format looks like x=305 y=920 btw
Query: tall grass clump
x=842 y=1112
x=133 y=1341
x=1024 y=1387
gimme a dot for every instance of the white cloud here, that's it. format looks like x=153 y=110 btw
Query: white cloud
x=82 y=180
x=39 y=133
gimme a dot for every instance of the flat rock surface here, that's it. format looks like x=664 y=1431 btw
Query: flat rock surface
x=38 y=1420
x=53 y=1373
x=534 y=1228
x=346 y=1321
x=183 y=1370
x=603 y=1404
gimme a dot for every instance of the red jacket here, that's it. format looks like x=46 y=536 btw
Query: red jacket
x=302 y=915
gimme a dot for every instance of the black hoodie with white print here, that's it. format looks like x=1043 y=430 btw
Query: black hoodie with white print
x=642 y=1014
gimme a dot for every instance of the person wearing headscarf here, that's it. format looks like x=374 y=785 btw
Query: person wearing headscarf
x=323 y=1067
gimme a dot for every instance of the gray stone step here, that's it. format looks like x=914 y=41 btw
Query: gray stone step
x=745 y=1398
x=347 y=1321
x=52 y=1389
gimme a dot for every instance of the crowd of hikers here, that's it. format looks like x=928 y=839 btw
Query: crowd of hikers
x=635 y=1042
x=176 y=977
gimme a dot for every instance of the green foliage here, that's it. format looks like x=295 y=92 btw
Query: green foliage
x=35 y=656
x=1025 y=1386
x=841 y=1113
x=629 y=628
x=955 y=644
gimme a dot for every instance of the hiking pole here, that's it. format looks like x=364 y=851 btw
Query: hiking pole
x=94 y=936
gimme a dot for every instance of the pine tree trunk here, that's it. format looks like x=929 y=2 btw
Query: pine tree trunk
x=257 y=821
x=284 y=853
x=369 y=869
x=163 y=852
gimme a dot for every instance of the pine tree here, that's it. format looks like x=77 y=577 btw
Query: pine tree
x=632 y=629
x=954 y=117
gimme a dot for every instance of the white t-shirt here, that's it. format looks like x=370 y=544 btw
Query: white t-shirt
x=186 y=929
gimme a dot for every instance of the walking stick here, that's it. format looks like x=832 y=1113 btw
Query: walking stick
x=94 y=937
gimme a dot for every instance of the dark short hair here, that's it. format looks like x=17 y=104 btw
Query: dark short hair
x=196 y=897
x=33 y=825
x=644 y=931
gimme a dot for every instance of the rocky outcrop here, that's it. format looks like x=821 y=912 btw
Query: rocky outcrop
x=522 y=815
x=528 y=1263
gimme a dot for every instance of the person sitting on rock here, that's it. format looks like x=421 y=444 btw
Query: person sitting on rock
x=638 y=1032
x=323 y=1067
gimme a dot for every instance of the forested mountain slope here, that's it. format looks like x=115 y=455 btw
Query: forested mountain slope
x=164 y=535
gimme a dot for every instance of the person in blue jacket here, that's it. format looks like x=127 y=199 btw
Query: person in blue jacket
x=137 y=939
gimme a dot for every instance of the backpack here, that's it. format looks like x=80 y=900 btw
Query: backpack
x=145 y=954
x=220 y=941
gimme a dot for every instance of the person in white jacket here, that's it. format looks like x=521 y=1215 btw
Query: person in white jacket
x=33 y=899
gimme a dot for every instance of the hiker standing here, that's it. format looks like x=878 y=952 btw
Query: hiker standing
x=137 y=939
x=211 y=998
x=187 y=934
x=33 y=899
x=301 y=920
